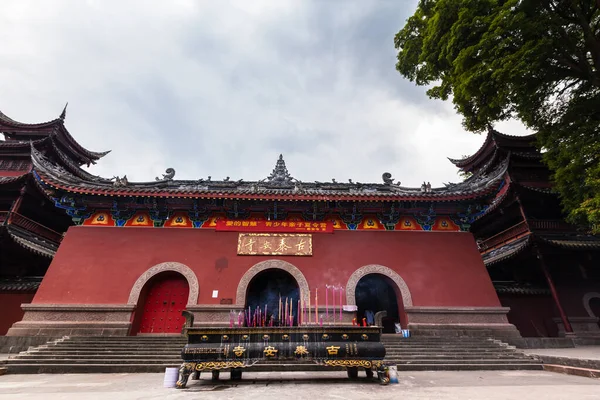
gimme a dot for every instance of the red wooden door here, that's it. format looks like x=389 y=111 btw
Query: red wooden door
x=164 y=303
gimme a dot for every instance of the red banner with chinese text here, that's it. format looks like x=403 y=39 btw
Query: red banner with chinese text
x=274 y=226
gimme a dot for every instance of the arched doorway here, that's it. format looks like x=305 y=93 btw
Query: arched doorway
x=374 y=293
x=591 y=303
x=595 y=307
x=265 y=291
x=160 y=304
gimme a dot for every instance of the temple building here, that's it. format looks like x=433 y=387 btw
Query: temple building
x=31 y=227
x=126 y=258
x=544 y=270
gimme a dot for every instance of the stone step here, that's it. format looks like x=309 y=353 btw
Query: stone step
x=469 y=367
x=132 y=347
x=479 y=351
x=92 y=352
x=99 y=356
x=153 y=354
x=447 y=347
x=126 y=342
x=440 y=340
x=451 y=356
x=71 y=361
x=440 y=343
x=52 y=368
x=564 y=369
x=480 y=361
x=125 y=338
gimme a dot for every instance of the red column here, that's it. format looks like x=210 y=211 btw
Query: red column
x=563 y=316
x=16 y=204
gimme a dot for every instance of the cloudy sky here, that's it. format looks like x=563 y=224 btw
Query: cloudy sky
x=221 y=88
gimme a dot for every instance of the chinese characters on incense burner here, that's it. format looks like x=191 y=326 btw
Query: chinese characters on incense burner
x=305 y=312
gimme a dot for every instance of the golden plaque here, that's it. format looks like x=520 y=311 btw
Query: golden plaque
x=274 y=244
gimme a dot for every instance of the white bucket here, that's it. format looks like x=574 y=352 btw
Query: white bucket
x=171 y=376
x=393 y=372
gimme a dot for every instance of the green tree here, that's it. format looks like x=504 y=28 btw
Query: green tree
x=534 y=60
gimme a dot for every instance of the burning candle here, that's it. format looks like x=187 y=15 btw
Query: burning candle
x=279 y=310
x=316 y=305
x=341 y=290
x=308 y=307
x=298 y=313
x=327 y=303
x=333 y=296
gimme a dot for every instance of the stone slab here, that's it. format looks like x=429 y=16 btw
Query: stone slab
x=441 y=385
x=563 y=369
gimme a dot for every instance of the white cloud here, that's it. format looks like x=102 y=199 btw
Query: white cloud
x=221 y=88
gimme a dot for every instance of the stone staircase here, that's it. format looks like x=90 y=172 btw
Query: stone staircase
x=454 y=353
x=153 y=354
x=100 y=355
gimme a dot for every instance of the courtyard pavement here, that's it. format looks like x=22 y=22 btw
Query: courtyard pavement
x=490 y=385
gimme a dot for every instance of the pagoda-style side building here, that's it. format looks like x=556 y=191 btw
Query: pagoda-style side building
x=141 y=252
x=542 y=268
x=31 y=227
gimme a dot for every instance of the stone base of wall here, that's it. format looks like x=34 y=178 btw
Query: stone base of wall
x=58 y=320
x=582 y=326
x=213 y=315
x=463 y=321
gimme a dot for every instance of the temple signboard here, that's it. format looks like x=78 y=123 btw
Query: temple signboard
x=274 y=244
x=274 y=226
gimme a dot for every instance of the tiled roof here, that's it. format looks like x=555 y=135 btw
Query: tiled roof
x=279 y=185
x=32 y=242
x=507 y=251
x=575 y=242
x=19 y=130
x=489 y=145
x=26 y=284
x=13 y=179
x=519 y=288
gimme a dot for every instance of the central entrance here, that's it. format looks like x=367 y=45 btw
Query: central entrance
x=265 y=291
x=374 y=293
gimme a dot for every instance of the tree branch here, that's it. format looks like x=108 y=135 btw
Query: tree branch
x=591 y=41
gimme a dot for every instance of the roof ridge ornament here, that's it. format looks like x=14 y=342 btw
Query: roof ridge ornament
x=280 y=174
x=170 y=173
x=63 y=114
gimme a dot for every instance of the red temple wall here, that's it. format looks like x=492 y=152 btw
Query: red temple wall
x=10 y=309
x=571 y=296
x=100 y=265
x=532 y=315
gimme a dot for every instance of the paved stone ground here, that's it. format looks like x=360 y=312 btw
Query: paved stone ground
x=490 y=385
x=581 y=352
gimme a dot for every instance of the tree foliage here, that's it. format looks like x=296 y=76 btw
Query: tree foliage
x=535 y=60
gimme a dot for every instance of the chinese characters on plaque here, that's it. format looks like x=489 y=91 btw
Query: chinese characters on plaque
x=274 y=226
x=268 y=244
